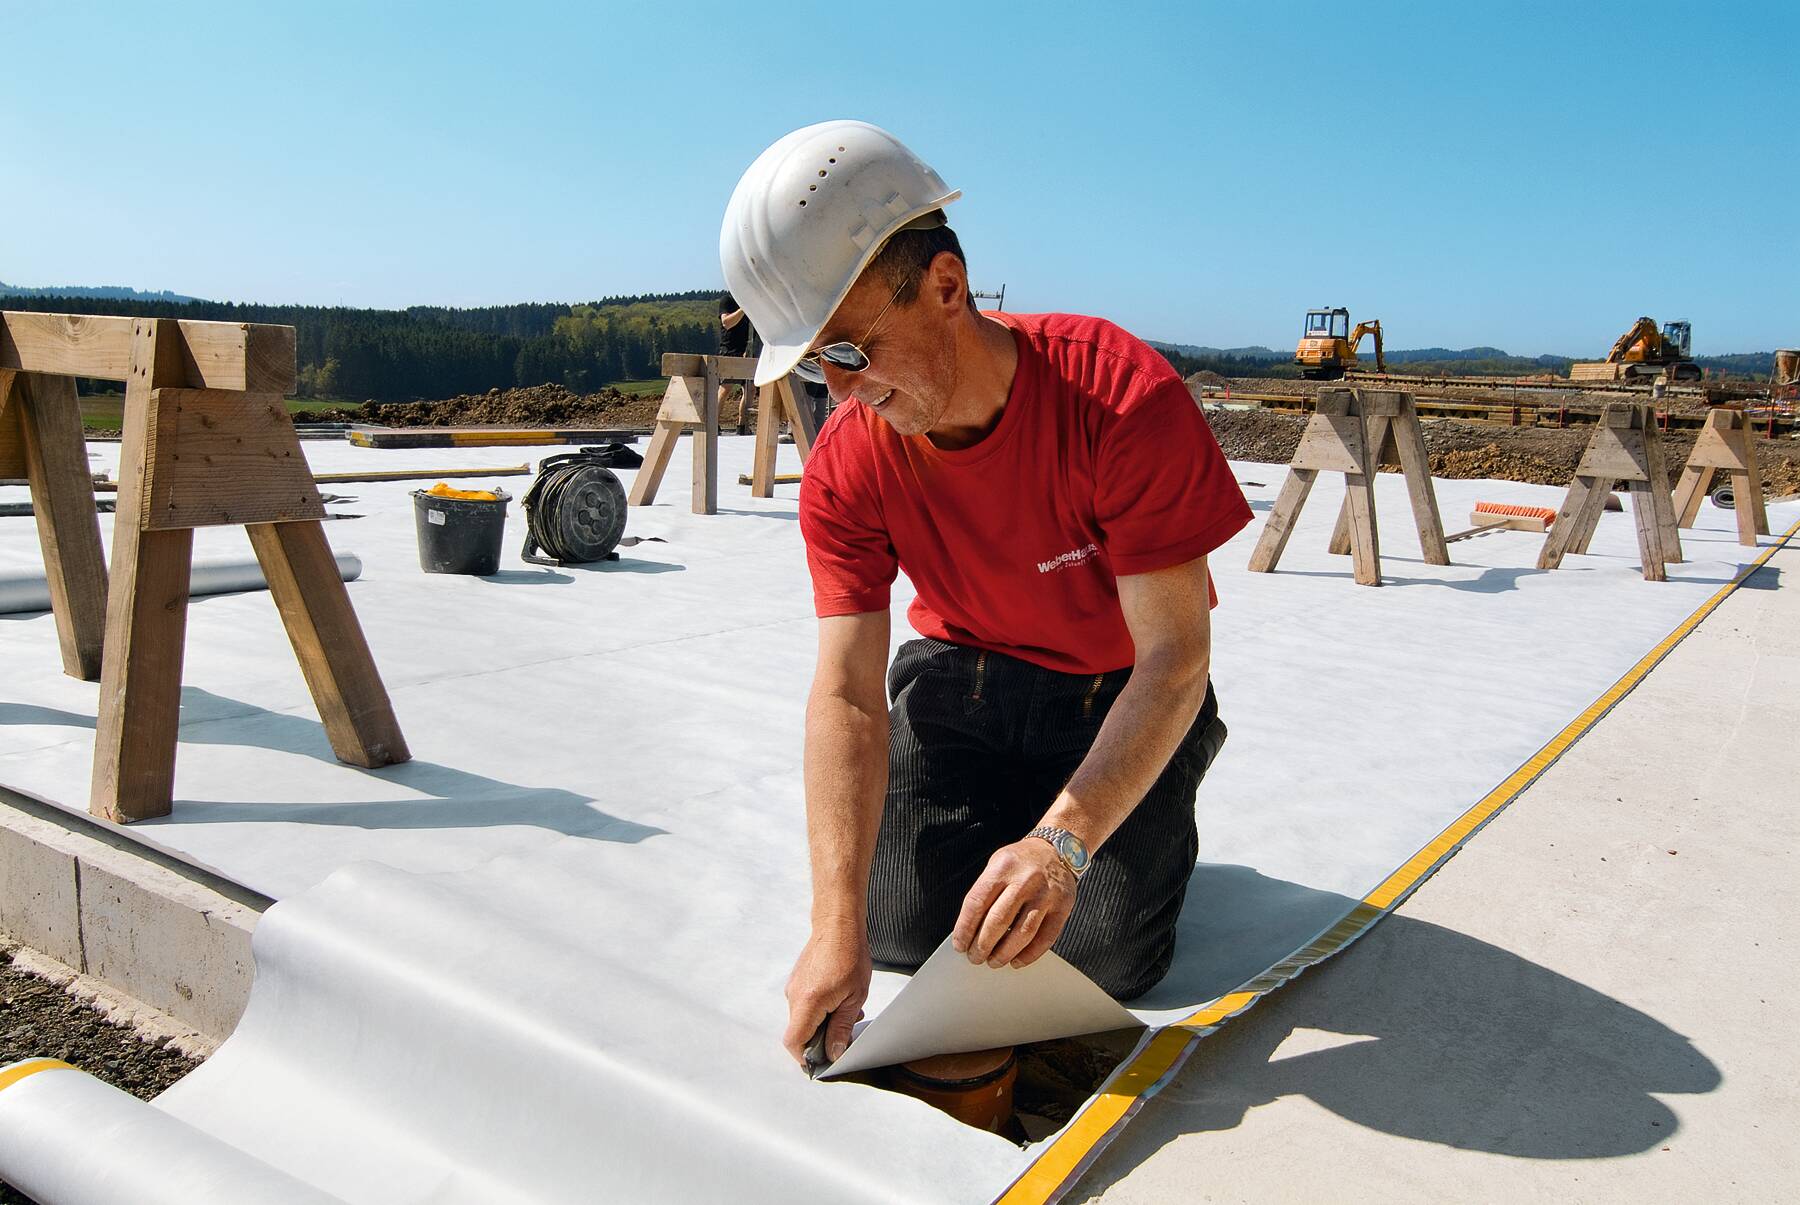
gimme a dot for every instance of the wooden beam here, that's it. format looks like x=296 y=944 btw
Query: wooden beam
x=247 y=356
x=1580 y=510
x=728 y=368
x=769 y=408
x=706 y=445
x=146 y=611
x=328 y=640
x=62 y=495
x=1408 y=439
x=1668 y=534
x=485 y=437
x=800 y=417
x=1617 y=453
x=656 y=463
x=1280 y=525
x=12 y=428
x=680 y=403
x=1650 y=546
x=216 y=458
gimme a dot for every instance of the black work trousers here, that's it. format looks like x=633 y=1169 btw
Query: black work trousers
x=980 y=746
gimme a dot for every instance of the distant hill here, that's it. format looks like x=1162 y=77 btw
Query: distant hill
x=1258 y=352
x=93 y=293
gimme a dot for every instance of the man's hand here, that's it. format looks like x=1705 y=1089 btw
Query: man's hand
x=1018 y=907
x=831 y=978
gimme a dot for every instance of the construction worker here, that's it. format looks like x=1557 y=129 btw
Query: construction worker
x=734 y=340
x=1026 y=781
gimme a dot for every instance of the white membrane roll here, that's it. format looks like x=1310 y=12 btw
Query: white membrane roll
x=67 y=1138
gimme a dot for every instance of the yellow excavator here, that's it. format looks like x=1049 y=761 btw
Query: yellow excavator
x=1644 y=352
x=1328 y=346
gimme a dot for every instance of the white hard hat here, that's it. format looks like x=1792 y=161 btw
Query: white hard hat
x=805 y=220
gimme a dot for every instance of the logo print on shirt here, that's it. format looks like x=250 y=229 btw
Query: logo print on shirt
x=1074 y=556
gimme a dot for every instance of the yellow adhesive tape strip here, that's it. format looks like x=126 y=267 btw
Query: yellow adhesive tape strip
x=1081 y=1143
x=19 y=1071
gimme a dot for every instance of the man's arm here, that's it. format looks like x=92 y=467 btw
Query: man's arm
x=729 y=319
x=846 y=781
x=1019 y=905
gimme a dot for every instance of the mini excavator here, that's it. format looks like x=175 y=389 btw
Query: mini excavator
x=1327 y=347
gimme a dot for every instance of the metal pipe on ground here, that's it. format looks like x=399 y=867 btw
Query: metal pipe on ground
x=510 y=470
x=26 y=592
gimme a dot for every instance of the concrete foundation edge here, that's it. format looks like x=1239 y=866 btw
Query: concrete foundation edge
x=137 y=923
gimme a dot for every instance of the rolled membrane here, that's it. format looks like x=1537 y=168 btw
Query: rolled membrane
x=67 y=1138
x=21 y=592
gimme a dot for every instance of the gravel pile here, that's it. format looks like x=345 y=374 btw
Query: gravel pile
x=1256 y=434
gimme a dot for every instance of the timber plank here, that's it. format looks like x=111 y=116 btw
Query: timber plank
x=485 y=437
x=62 y=495
x=706 y=445
x=216 y=457
x=328 y=641
x=248 y=356
x=146 y=612
x=768 y=440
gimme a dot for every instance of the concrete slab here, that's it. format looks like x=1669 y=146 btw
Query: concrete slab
x=41 y=904
x=148 y=929
x=1592 y=1002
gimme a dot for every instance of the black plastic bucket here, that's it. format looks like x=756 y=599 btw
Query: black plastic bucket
x=459 y=535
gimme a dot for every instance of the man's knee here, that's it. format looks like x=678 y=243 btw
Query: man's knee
x=902 y=937
x=1123 y=969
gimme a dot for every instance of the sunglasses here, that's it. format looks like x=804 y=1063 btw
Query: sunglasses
x=848 y=356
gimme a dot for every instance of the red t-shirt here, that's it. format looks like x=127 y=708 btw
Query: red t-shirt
x=1101 y=465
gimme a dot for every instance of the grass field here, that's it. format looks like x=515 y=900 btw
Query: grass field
x=639 y=388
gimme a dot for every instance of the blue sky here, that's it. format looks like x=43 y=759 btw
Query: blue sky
x=1528 y=176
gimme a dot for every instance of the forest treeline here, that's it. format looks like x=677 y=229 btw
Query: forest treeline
x=429 y=352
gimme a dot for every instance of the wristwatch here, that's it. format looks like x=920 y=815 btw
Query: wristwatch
x=1070 y=848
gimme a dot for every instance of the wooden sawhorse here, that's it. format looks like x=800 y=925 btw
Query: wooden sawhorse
x=206 y=442
x=1726 y=445
x=691 y=404
x=1348 y=433
x=775 y=402
x=1625 y=447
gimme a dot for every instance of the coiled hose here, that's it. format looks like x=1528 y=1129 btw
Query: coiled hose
x=574 y=511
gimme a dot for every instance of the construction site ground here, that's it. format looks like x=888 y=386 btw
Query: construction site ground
x=1425 y=692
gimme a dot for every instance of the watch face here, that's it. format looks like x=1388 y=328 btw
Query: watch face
x=1070 y=847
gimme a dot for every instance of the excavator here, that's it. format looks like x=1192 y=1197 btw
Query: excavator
x=1644 y=352
x=1328 y=346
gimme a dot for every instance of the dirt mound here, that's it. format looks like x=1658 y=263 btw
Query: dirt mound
x=1256 y=434
x=1493 y=462
x=1206 y=379
x=536 y=406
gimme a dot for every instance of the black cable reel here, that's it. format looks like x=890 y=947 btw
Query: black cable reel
x=575 y=510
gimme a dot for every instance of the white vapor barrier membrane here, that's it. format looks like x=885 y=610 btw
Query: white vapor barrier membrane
x=951 y=1004
x=544 y=960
